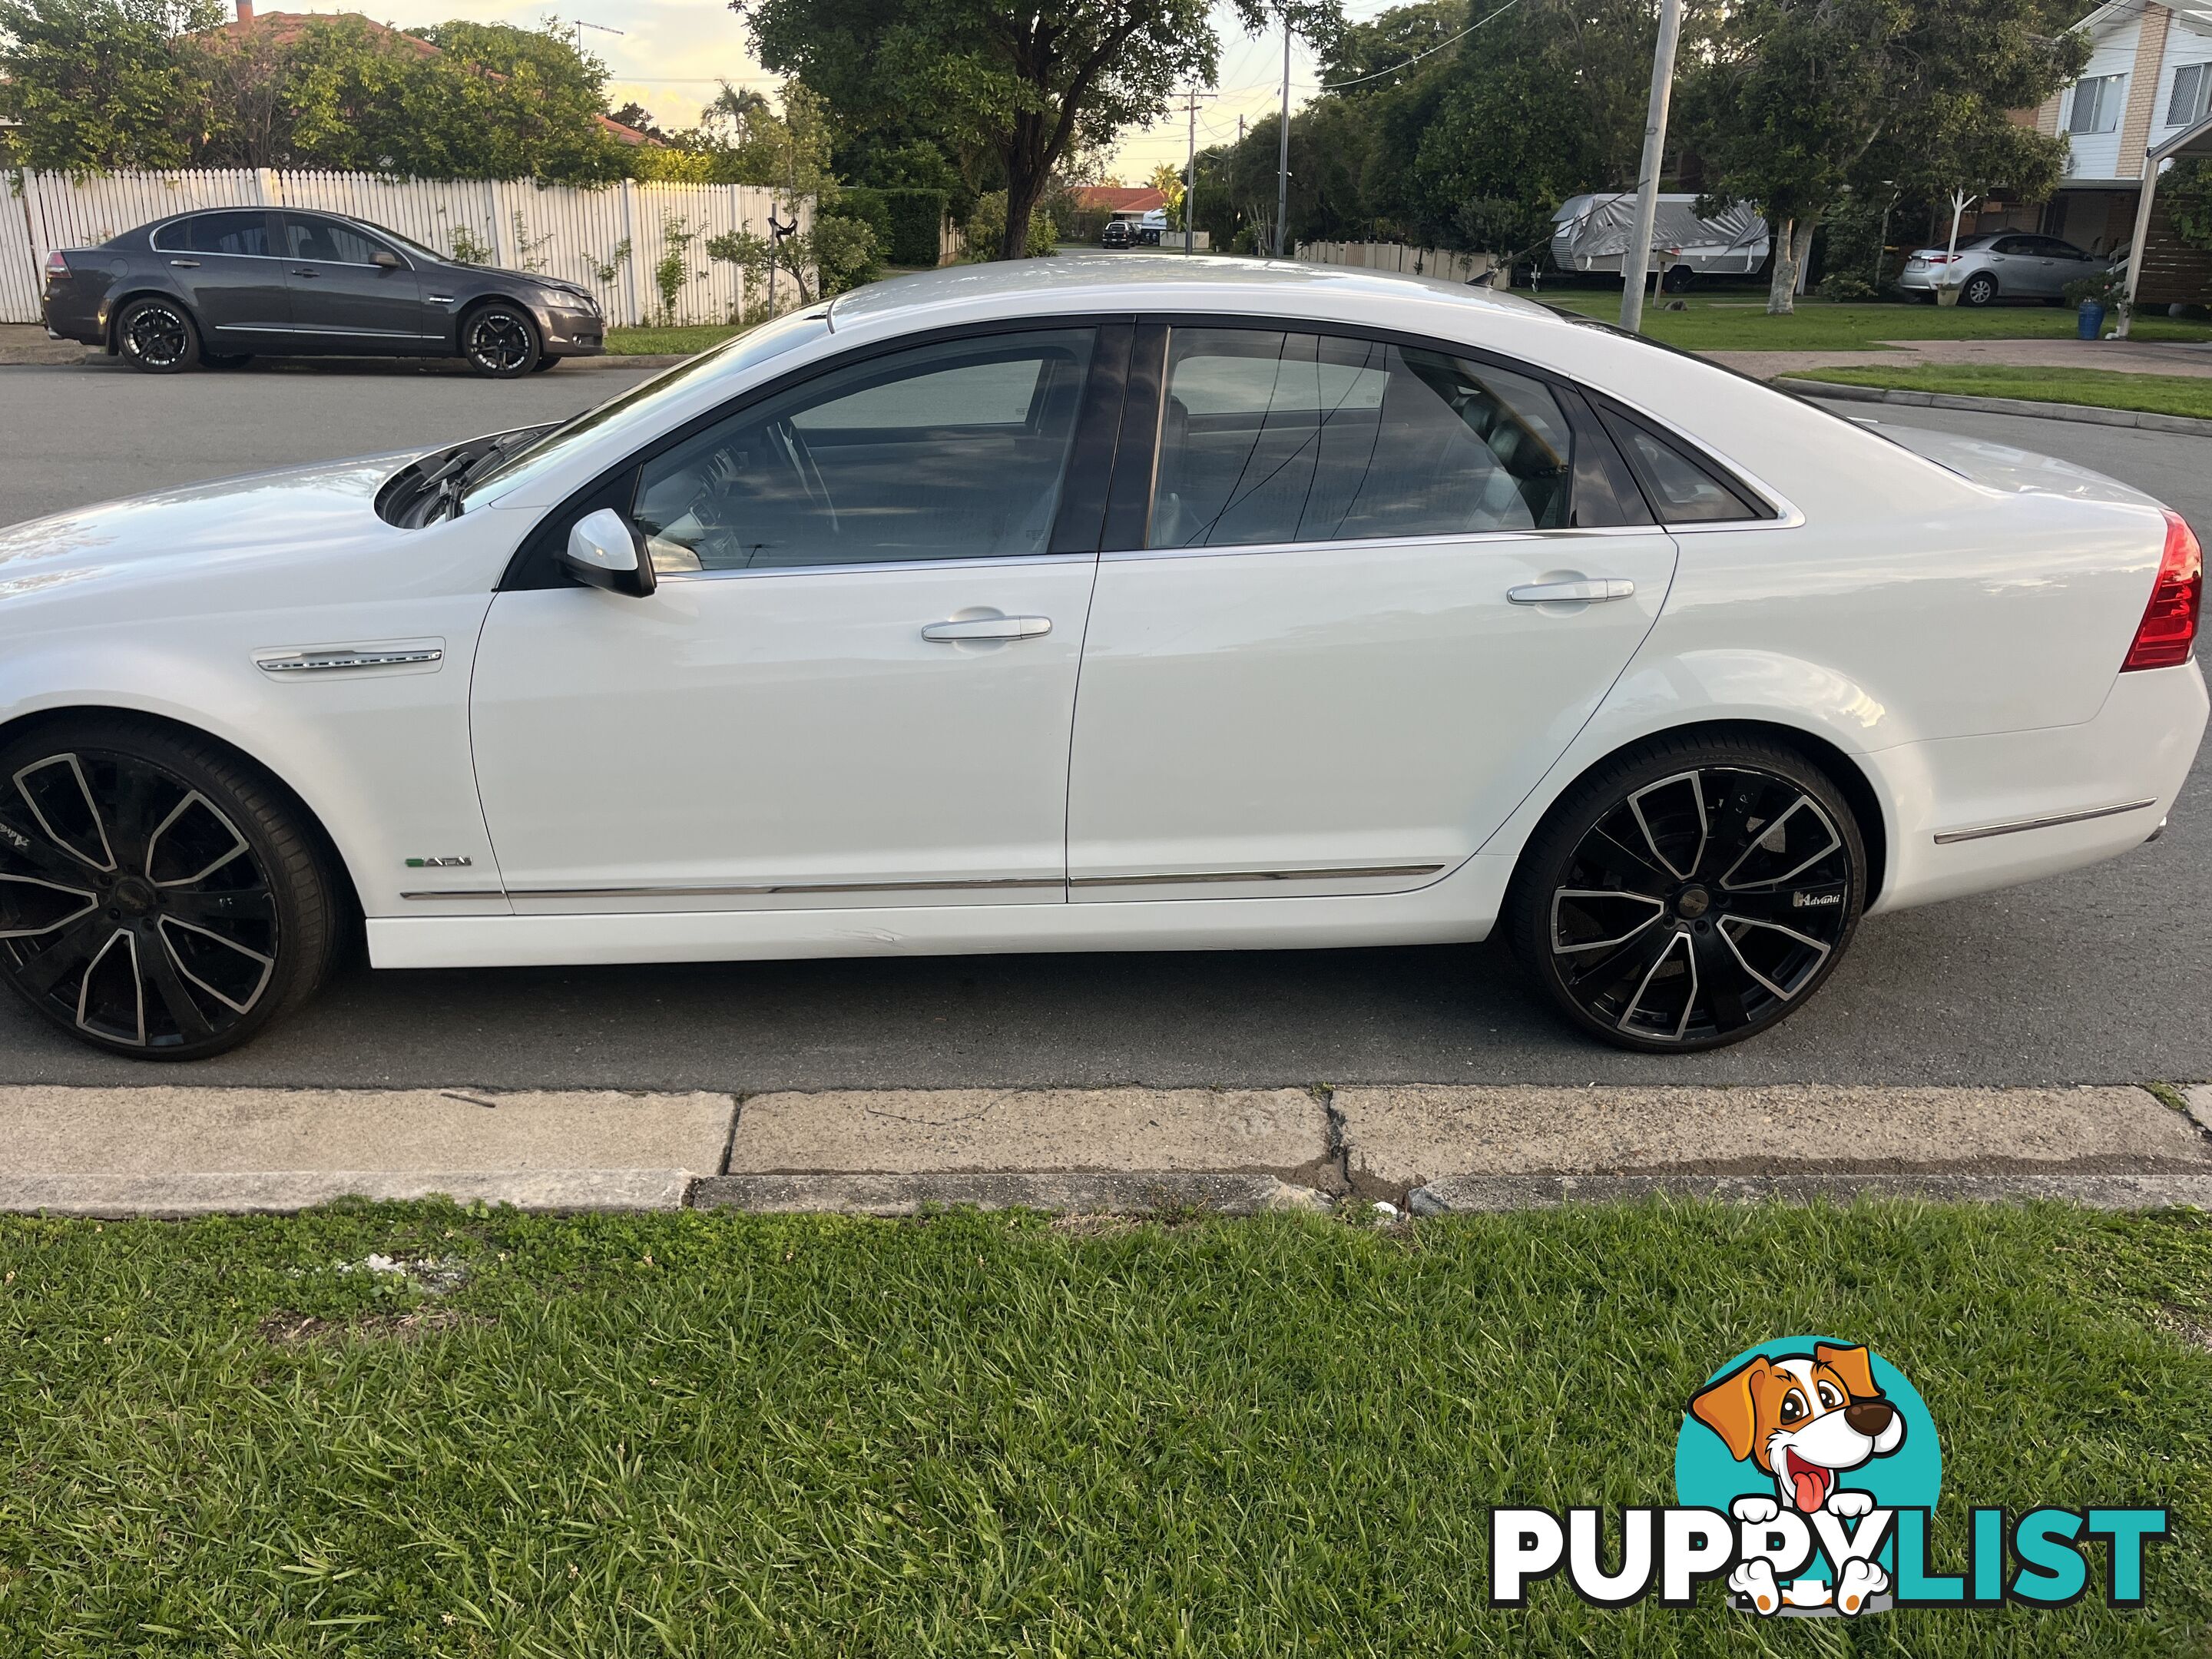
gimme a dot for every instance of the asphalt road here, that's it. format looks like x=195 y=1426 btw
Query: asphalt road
x=2099 y=976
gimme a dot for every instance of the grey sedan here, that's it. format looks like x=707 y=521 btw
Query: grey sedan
x=1999 y=264
x=221 y=286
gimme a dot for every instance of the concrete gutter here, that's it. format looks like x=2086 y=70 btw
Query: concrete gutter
x=165 y=1150
x=2085 y=414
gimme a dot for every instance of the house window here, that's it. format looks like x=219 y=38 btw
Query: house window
x=2192 y=93
x=2097 y=100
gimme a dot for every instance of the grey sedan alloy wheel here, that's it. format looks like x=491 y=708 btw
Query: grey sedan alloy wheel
x=157 y=336
x=157 y=897
x=500 y=341
x=1981 y=290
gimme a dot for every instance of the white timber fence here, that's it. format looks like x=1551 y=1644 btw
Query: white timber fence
x=1440 y=263
x=612 y=240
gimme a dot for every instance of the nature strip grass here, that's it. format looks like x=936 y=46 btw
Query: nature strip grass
x=1738 y=322
x=708 y=1434
x=2101 y=388
x=656 y=342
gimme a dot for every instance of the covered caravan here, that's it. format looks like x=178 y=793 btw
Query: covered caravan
x=1591 y=233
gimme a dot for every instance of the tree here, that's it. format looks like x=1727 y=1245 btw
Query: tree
x=1033 y=83
x=1167 y=178
x=97 y=84
x=1802 y=99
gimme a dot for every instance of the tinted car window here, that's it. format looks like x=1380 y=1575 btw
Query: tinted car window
x=951 y=451
x=231 y=232
x=2016 y=245
x=1290 y=437
x=1682 y=490
x=330 y=242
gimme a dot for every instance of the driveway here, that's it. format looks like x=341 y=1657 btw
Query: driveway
x=2099 y=976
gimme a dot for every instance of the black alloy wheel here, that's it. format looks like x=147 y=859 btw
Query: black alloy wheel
x=1981 y=290
x=157 y=336
x=500 y=341
x=1692 y=897
x=157 y=898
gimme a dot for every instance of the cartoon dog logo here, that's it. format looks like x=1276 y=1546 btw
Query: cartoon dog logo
x=1803 y=1421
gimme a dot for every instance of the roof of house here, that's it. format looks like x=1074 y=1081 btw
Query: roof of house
x=1119 y=199
x=284 y=28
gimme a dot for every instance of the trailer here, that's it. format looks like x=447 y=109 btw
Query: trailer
x=1591 y=233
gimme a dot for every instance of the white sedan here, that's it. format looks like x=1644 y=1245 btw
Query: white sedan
x=1084 y=604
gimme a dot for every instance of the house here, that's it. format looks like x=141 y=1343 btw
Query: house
x=1130 y=202
x=2147 y=80
x=282 y=29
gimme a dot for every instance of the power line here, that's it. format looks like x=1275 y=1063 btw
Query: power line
x=1339 y=86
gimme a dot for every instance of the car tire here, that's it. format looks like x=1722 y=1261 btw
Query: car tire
x=157 y=336
x=160 y=898
x=1981 y=290
x=500 y=341
x=1691 y=894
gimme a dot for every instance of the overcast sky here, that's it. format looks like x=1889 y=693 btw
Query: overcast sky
x=671 y=54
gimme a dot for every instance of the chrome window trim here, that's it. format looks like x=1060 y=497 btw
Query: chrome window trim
x=1446 y=539
x=999 y=561
x=1984 y=831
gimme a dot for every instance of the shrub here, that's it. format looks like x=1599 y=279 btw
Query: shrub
x=1842 y=285
x=987 y=224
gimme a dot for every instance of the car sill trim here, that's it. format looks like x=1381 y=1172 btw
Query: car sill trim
x=1949 y=836
x=772 y=889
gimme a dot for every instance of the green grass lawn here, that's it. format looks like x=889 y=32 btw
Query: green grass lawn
x=1737 y=321
x=706 y=1434
x=654 y=342
x=2163 y=394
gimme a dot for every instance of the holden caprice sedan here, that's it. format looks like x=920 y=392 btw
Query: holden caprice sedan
x=1075 y=605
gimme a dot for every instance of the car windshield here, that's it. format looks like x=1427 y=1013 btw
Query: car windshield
x=642 y=404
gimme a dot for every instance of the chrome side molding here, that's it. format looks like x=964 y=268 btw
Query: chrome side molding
x=1988 y=829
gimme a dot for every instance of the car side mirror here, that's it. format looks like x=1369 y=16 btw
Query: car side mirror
x=605 y=550
x=384 y=260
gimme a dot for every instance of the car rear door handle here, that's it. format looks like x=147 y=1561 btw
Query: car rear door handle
x=303 y=273
x=185 y=265
x=987 y=628
x=1586 y=592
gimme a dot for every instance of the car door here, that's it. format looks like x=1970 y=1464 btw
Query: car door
x=2068 y=263
x=227 y=264
x=342 y=299
x=1379 y=589
x=854 y=683
x=2022 y=269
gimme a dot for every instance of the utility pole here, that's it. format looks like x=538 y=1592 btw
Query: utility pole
x=1282 y=161
x=1647 y=183
x=1190 y=174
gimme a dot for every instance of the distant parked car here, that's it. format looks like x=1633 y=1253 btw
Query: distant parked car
x=2000 y=264
x=220 y=287
x=1116 y=234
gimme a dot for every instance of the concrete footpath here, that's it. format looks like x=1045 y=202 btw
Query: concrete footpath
x=181 y=1151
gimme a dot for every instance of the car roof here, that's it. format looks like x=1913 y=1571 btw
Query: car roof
x=1159 y=282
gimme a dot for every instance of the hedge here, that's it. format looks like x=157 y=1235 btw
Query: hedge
x=907 y=222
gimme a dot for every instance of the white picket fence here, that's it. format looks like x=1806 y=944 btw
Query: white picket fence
x=578 y=235
x=1437 y=262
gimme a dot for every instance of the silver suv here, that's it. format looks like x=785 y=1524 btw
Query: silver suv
x=2000 y=264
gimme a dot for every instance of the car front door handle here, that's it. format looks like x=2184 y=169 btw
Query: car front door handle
x=185 y=265
x=987 y=628
x=1587 y=592
x=303 y=273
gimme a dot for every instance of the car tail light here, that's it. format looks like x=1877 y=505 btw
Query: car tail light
x=1937 y=259
x=2168 y=632
x=57 y=265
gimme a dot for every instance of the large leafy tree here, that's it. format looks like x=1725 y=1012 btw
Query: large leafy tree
x=93 y=85
x=1802 y=100
x=1035 y=83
